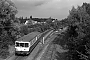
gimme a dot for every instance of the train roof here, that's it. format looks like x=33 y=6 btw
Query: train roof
x=28 y=37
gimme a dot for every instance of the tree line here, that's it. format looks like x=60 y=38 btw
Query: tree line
x=77 y=36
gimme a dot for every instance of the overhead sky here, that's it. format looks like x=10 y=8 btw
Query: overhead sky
x=46 y=8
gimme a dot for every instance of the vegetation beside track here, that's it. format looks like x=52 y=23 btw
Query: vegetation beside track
x=77 y=37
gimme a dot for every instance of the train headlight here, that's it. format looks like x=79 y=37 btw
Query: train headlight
x=26 y=49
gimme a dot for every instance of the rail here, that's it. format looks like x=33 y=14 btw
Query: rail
x=49 y=34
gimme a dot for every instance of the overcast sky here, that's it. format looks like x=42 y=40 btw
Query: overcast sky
x=46 y=8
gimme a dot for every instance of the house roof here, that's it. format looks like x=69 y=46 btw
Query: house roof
x=28 y=37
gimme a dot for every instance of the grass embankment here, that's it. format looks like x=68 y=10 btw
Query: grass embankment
x=78 y=46
x=5 y=42
x=5 y=53
x=61 y=51
x=55 y=50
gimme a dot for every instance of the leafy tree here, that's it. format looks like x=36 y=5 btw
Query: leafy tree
x=7 y=16
x=81 y=18
x=87 y=6
x=24 y=29
x=77 y=37
x=7 y=9
x=49 y=21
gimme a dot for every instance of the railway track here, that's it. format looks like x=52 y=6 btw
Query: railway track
x=20 y=57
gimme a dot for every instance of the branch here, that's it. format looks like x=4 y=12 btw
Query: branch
x=82 y=54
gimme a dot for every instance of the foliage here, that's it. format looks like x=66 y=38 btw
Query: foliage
x=49 y=20
x=24 y=29
x=81 y=18
x=7 y=17
x=77 y=37
x=7 y=9
x=87 y=6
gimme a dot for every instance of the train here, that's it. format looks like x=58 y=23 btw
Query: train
x=26 y=44
x=23 y=45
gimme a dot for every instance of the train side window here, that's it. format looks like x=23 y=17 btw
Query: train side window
x=34 y=40
x=26 y=44
x=31 y=42
x=17 y=44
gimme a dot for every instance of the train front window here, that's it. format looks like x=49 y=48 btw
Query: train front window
x=22 y=44
x=17 y=44
x=26 y=44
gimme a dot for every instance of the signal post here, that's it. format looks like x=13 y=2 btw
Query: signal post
x=42 y=41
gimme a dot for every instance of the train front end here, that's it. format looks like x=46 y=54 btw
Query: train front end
x=22 y=48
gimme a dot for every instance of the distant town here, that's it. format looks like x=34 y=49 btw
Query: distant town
x=33 y=21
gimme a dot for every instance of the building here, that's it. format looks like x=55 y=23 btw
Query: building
x=30 y=22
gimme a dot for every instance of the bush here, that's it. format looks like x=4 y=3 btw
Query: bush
x=4 y=54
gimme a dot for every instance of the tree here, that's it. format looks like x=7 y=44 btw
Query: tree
x=7 y=17
x=30 y=17
x=77 y=45
x=24 y=29
x=87 y=6
x=7 y=9
x=7 y=13
x=49 y=20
